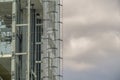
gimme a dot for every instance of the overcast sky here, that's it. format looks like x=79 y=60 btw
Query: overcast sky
x=91 y=39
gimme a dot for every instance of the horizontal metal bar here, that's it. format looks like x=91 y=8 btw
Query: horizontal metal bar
x=18 y=54
x=38 y=43
x=6 y=0
x=5 y=55
x=37 y=61
x=38 y=24
x=20 y=25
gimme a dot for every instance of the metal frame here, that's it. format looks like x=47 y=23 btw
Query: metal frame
x=13 y=76
x=28 y=44
x=40 y=34
x=51 y=58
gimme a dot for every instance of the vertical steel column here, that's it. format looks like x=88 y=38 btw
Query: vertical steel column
x=51 y=60
x=44 y=56
x=57 y=21
x=28 y=38
x=13 y=62
x=60 y=18
x=57 y=59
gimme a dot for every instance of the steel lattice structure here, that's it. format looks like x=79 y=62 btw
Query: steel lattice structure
x=33 y=32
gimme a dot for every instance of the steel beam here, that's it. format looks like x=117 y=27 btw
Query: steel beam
x=6 y=0
x=28 y=39
x=13 y=76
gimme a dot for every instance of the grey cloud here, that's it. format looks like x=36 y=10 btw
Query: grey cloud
x=106 y=47
x=99 y=21
x=81 y=7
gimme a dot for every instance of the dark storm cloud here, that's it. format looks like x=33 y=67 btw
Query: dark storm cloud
x=92 y=39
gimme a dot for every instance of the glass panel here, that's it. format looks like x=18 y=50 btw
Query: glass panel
x=5 y=27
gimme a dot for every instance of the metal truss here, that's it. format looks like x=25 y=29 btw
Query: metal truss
x=36 y=40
